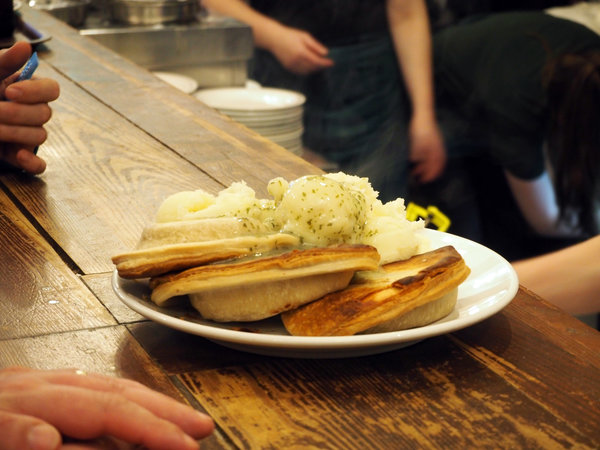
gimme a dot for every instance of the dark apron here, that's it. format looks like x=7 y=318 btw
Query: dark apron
x=355 y=113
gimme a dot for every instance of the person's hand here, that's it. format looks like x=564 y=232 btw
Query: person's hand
x=297 y=50
x=39 y=408
x=427 y=151
x=23 y=111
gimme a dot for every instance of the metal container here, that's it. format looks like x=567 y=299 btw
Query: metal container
x=73 y=12
x=153 y=12
x=214 y=53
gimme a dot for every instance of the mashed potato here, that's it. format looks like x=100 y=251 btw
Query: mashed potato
x=322 y=211
x=238 y=200
x=319 y=209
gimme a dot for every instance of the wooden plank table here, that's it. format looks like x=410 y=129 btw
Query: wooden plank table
x=119 y=142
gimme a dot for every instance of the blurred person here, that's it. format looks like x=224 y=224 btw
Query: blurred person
x=585 y=13
x=23 y=111
x=446 y=12
x=519 y=103
x=568 y=278
x=365 y=69
x=38 y=408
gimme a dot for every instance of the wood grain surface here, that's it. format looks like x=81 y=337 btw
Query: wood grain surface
x=443 y=392
x=117 y=169
x=39 y=292
x=412 y=398
x=117 y=177
x=120 y=141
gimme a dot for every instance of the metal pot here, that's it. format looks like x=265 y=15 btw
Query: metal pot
x=74 y=12
x=152 y=12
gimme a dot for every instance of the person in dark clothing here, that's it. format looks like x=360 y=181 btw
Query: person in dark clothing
x=519 y=103
x=448 y=12
x=365 y=69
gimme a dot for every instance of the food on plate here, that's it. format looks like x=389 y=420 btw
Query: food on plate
x=400 y=295
x=320 y=210
x=196 y=227
x=317 y=239
x=166 y=247
x=257 y=288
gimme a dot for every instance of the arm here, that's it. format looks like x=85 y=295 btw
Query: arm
x=410 y=31
x=537 y=203
x=42 y=406
x=569 y=278
x=295 y=49
x=23 y=111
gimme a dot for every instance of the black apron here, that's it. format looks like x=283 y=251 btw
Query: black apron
x=356 y=111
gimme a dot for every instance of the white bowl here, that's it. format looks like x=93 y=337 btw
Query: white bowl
x=254 y=99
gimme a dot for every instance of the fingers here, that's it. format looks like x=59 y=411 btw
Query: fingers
x=24 y=432
x=42 y=90
x=314 y=45
x=14 y=58
x=103 y=443
x=12 y=113
x=22 y=135
x=21 y=123
x=307 y=63
x=314 y=56
x=428 y=170
x=190 y=421
x=427 y=151
x=90 y=406
x=317 y=62
x=299 y=52
x=86 y=414
x=421 y=173
x=318 y=51
x=23 y=158
x=29 y=162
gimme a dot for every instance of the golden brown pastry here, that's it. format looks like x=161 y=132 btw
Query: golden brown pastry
x=171 y=246
x=378 y=301
x=258 y=288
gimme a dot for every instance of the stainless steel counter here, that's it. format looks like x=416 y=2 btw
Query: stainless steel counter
x=214 y=52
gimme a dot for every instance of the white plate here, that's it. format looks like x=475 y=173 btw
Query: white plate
x=181 y=82
x=491 y=286
x=274 y=122
x=291 y=112
x=254 y=99
x=283 y=137
x=297 y=129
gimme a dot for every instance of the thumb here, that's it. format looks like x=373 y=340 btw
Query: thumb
x=21 y=432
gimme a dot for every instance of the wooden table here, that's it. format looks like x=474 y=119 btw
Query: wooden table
x=119 y=142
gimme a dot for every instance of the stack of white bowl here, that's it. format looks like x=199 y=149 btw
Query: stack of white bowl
x=273 y=113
